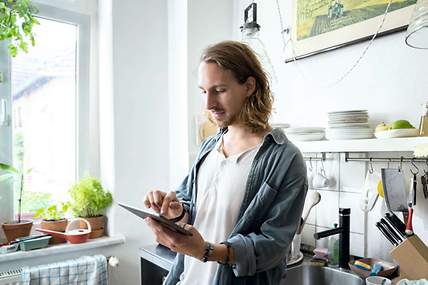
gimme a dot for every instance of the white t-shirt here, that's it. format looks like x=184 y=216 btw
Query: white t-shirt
x=221 y=185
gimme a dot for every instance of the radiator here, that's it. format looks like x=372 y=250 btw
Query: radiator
x=10 y=277
x=26 y=275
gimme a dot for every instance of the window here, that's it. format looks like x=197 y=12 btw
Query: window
x=48 y=101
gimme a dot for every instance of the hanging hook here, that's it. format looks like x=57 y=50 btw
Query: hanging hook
x=400 y=167
x=371 y=170
x=389 y=162
x=310 y=164
x=323 y=168
x=414 y=165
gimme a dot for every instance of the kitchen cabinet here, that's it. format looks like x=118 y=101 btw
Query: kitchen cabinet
x=156 y=261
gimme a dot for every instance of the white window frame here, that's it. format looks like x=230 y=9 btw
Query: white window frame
x=83 y=124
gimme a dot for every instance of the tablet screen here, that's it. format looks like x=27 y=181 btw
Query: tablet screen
x=156 y=216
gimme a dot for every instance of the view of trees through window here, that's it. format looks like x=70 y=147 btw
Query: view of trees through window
x=44 y=114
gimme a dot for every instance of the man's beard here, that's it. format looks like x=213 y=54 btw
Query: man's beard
x=224 y=123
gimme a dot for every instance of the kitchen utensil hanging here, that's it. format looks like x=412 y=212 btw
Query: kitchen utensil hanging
x=370 y=192
x=394 y=189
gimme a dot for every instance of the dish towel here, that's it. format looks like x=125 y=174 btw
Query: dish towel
x=85 y=270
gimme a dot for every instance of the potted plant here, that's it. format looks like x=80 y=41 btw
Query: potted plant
x=53 y=218
x=16 y=24
x=19 y=227
x=89 y=200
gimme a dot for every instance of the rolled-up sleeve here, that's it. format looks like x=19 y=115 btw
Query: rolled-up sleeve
x=266 y=248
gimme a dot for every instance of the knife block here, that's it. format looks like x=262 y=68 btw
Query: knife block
x=412 y=256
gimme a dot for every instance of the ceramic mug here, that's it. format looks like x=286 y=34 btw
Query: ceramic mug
x=377 y=280
x=320 y=180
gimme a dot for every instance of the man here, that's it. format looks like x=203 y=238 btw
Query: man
x=245 y=193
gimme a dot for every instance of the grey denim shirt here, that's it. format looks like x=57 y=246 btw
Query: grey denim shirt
x=269 y=215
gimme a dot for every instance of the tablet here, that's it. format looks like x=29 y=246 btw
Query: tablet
x=157 y=217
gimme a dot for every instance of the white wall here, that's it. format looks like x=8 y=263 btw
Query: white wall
x=139 y=115
x=390 y=82
x=177 y=91
x=193 y=25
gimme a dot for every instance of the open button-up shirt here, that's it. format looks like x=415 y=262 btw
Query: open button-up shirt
x=268 y=217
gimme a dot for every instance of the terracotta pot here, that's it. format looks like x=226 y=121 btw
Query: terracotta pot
x=98 y=225
x=55 y=225
x=15 y=230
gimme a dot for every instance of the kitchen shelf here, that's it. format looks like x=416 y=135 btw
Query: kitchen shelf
x=362 y=145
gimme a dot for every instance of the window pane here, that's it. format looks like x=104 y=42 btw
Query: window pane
x=44 y=114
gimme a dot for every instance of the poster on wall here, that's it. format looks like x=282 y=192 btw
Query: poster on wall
x=322 y=25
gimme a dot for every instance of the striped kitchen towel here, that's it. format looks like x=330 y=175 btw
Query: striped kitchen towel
x=85 y=270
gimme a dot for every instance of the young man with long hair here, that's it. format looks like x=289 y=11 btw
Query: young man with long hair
x=243 y=198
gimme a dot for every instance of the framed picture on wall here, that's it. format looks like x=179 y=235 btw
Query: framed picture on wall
x=323 y=25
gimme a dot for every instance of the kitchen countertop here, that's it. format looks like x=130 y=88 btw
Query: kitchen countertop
x=159 y=255
x=164 y=257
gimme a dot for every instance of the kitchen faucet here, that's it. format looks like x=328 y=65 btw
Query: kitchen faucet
x=343 y=231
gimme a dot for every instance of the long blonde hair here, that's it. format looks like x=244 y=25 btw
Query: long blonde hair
x=241 y=60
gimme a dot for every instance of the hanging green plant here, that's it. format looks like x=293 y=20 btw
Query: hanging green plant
x=16 y=24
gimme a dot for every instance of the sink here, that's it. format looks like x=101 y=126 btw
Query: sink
x=307 y=274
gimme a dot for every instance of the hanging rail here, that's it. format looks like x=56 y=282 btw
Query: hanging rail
x=348 y=158
x=385 y=159
x=316 y=158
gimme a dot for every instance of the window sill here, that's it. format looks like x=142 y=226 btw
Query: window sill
x=63 y=248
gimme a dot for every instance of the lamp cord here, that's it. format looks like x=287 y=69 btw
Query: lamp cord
x=341 y=78
x=283 y=31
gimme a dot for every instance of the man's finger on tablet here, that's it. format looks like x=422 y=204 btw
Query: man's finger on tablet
x=167 y=200
x=158 y=198
x=147 y=203
x=150 y=198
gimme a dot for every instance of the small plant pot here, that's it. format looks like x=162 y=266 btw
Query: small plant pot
x=15 y=230
x=98 y=226
x=55 y=225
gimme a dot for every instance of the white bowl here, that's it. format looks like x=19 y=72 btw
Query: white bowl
x=398 y=133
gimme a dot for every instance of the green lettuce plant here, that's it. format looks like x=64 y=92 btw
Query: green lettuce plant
x=11 y=172
x=88 y=198
x=53 y=212
x=16 y=24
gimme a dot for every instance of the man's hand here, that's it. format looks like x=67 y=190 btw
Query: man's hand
x=166 y=204
x=189 y=245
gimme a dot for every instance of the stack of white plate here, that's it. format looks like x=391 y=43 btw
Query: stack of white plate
x=305 y=133
x=348 y=125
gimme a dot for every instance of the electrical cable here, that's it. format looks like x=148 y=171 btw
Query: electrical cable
x=341 y=78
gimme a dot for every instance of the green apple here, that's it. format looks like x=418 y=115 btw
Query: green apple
x=401 y=124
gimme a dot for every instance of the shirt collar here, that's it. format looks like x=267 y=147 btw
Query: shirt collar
x=234 y=158
x=278 y=136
